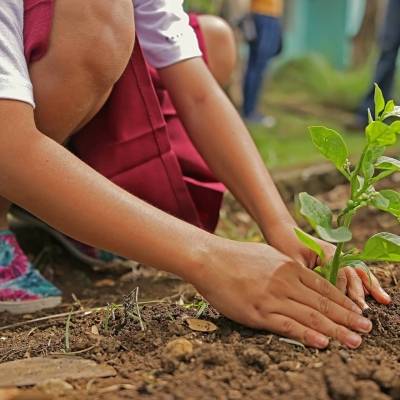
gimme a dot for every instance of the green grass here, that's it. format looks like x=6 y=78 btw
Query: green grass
x=305 y=92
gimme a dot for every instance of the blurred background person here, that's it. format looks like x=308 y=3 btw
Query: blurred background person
x=265 y=45
x=386 y=67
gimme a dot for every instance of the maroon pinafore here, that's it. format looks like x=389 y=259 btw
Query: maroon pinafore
x=137 y=140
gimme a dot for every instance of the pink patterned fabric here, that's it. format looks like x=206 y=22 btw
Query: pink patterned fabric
x=18 y=262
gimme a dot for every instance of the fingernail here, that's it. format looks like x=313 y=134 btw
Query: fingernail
x=356 y=308
x=353 y=340
x=321 y=342
x=386 y=296
x=364 y=325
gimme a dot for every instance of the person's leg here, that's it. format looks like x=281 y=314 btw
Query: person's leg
x=262 y=50
x=221 y=47
x=90 y=45
x=386 y=66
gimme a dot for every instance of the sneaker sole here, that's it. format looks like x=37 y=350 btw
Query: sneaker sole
x=30 y=306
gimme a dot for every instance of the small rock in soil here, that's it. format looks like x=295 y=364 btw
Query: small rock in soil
x=179 y=349
x=55 y=387
x=255 y=357
x=289 y=365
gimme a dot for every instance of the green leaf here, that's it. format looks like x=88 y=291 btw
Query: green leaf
x=389 y=108
x=370 y=119
x=381 y=247
x=395 y=113
x=388 y=163
x=380 y=202
x=395 y=127
x=314 y=211
x=339 y=235
x=388 y=166
x=391 y=203
x=379 y=101
x=331 y=144
x=310 y=242
x=371 y=155
x=380 y=134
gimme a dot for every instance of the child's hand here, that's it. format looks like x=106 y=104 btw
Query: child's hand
x=258 y=286
x=354 y=282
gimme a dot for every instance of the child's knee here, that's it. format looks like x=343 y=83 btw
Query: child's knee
x=221 y=47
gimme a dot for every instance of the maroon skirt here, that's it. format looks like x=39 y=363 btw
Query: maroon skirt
x=137 y=140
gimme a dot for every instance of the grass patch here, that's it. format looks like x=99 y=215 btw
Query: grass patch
x=304 y=92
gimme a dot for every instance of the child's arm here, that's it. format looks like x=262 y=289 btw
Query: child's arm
x=253 y=284
x=222 y=138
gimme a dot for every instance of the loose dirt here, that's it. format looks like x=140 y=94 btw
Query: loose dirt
x=158 y=356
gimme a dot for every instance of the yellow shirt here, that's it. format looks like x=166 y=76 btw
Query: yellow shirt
x=273 y=8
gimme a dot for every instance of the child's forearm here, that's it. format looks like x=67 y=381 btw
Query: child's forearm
x=45 y=178
x=222 y=138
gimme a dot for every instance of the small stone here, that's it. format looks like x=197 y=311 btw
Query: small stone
x=344 y=355
x=178 y=349
x=289 y=366
x=54 y=387
x=256 y=357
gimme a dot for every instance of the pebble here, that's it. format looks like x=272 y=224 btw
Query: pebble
x=54 y=387
x=178 y=349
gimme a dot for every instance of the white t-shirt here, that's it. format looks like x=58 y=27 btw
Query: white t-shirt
x=161 y=25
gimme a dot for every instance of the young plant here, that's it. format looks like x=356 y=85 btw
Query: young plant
x=371 y=168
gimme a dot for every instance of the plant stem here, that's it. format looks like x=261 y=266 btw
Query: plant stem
x=335 y=266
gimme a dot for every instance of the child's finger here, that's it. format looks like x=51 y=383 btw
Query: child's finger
x=373 y=286
x=355 y=288
x=341 y=282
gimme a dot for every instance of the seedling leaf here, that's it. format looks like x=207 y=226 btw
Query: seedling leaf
x=379 y=101
x=339 y=235
x=391 y=203
x=395 y=127
x=382 y=247
x=331 y=144
x=310 y=242
x=389 y=108
x=370 y=157
x=388 y=163
x=315 y=212
x=394 y=113
x=380 y=134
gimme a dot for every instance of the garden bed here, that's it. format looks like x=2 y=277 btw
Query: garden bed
x=231 y=362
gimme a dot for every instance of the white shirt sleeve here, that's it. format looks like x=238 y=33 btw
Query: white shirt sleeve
x=14 y=77
x=164 y=32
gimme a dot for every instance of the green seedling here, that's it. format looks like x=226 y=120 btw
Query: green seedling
x=381 y=133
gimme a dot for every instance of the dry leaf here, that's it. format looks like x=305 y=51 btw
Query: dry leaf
x=200 y=325
x=95 y=330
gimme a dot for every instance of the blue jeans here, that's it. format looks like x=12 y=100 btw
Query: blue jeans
x=266 y=46
x=386 y=66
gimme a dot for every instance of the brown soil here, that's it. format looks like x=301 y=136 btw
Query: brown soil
x=167 y=360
